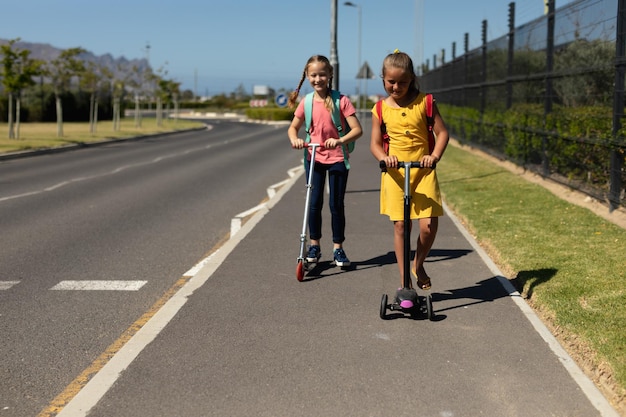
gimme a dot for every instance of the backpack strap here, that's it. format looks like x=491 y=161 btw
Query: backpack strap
x=338 y=120
x=308 y=114
x=383 y=127
x=336 y=96
x=430 y=122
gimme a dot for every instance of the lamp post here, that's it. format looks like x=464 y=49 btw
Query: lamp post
x=350 y=4
x=334 y=59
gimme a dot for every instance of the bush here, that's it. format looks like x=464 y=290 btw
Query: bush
x=269 y=113
x=577 y=142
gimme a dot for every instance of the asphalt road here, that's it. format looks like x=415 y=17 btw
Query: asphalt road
x=238 y=335
x=141 y=212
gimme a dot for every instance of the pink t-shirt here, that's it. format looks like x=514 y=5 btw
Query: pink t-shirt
x=323 y=127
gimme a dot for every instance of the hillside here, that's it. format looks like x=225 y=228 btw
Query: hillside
x=47 y=52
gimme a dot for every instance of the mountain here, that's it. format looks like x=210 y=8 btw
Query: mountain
x=47 y=52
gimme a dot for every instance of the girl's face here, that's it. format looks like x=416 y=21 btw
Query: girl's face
x=397 y=82
x=318 y=76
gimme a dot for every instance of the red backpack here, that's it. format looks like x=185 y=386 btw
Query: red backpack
x=430 y=122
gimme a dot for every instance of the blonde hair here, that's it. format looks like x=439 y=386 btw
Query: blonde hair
x=328 y=102
x=404 y=62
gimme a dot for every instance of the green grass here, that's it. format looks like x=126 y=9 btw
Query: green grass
x=567 y=261
x=44 y=135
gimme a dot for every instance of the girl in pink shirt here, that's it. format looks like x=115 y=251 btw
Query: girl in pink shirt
x=329 y=155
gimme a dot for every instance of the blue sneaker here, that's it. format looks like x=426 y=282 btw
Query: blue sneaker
x=315 y=253
x=340 y=258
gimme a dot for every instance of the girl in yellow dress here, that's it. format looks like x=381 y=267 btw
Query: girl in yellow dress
x=404 y=114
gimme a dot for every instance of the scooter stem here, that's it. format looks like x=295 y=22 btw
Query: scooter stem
x=407 y=224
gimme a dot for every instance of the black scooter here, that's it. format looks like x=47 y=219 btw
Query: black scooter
x=406 y=299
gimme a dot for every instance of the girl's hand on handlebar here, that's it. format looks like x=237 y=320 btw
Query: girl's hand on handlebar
x=429 y=161
x=332 y=143
x=297 y=143
x=391 y=161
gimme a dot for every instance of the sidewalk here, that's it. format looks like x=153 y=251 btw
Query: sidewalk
x=252 y=340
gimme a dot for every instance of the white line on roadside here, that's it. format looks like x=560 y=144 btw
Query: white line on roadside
x=235 y=222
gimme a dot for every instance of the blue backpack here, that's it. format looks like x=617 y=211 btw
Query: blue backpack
x=337 y=119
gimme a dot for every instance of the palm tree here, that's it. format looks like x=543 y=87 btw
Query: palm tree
x=61 y=70
x=18 y=70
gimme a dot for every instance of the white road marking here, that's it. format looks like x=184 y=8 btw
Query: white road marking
x=5 y=285
x=237 y=221
x=99 y=285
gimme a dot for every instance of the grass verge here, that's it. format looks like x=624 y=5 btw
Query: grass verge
x=44 y=135
x=567 y=262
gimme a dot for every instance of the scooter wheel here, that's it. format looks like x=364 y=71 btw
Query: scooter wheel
x=300 y=270
x=429 y=307
x=383 y=307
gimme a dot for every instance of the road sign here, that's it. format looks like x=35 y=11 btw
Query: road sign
x=365 y=72
x=281 y=100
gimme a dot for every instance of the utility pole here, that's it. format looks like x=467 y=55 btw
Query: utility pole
x=351 y=4
x=334 y=60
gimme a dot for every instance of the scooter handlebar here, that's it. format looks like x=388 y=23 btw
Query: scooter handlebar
x=418 y=164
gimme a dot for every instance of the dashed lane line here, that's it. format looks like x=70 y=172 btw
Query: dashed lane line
x=99 y=285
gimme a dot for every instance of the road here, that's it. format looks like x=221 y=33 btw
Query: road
x=239 y=335
x=136 y=213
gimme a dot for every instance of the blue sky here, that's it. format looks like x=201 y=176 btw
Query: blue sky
x=215 y=46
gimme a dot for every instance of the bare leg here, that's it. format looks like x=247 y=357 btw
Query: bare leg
x=428 y=232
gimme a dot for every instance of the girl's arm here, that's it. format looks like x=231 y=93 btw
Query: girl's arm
x=441 y=135
x=376 y=145
x=292 y=133
x=355 y=132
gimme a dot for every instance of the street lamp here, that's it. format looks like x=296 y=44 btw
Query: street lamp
x=334 y=60
x=350 y=4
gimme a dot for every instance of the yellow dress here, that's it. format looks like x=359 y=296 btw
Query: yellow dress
x=408 y=140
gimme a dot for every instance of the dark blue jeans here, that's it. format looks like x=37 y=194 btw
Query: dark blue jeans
x=337 y=182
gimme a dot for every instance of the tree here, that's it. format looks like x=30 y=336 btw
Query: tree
x=591 y=83
x=61 y=70
x=18 y=70
x=141 y=89
x=118 y=89
x=90 y=81
x=169 y=91
x=160 y=92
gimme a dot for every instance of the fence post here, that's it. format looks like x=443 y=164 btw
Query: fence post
x=615 y=186
x=483 y=87
x=510 y=56
x=465 y=66
x=548 y=96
